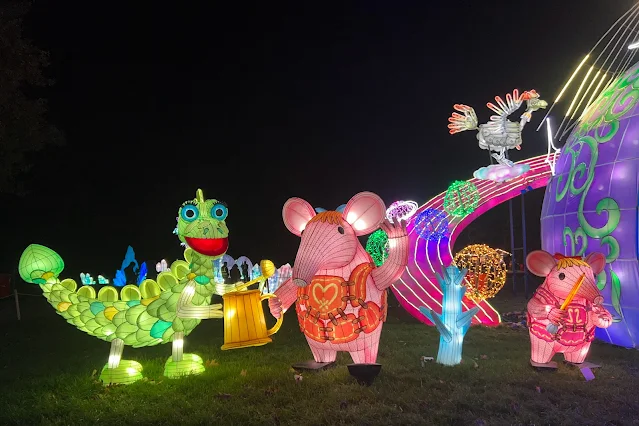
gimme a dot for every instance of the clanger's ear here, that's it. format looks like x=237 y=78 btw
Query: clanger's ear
x=365 y=212
x=296 y=214
x=540 y=262
x=597 y=262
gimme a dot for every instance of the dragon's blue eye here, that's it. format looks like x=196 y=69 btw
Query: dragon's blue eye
x=219 y=211
x=189 y=213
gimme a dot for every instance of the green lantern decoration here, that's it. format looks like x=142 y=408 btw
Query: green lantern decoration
x=377 y=246
x=462 y=198
x=39 y=263
x=165 y=310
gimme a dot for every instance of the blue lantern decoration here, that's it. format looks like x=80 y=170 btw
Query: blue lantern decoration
x=452 y=324
x=217 y=271
x=432 y=224
x=87 y=279
x=256 y=272
x=142 y=273
x=120 y=279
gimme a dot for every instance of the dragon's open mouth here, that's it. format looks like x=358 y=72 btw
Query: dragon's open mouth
x=208 y=246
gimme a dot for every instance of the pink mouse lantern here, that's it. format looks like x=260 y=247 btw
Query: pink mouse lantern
x=340 y=294
x=565 y=310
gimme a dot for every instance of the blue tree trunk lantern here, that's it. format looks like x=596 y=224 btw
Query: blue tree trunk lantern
x=452 y=324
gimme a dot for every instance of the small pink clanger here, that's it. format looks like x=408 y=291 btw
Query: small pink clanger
x=566 y=308
x=340 y=295
x=499 y=134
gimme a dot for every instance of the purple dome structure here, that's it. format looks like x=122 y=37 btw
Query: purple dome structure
x=591 y=203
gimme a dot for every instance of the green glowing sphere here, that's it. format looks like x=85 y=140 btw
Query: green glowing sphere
x=461 y=198
x=377 y=246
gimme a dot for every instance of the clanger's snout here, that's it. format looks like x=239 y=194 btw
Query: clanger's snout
x=300 y=282
x=304 y=267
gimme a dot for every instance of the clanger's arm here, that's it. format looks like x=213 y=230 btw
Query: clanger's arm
x=599 y=316
x=541 y=304
x=395 y=264
x=287 y=293
x=186 y=310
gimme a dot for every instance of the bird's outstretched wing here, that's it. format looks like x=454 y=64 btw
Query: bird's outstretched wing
x=497 y=123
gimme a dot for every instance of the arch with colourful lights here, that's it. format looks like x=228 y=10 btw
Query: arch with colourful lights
x=418 y=285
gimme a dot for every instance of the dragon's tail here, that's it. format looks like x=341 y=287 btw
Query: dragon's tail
x=38 y=264
x=128 y=316
x=459 y=122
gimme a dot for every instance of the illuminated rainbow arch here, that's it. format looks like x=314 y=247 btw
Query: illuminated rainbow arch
x=418 y=285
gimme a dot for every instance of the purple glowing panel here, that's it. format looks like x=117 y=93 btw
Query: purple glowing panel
x=591 y=203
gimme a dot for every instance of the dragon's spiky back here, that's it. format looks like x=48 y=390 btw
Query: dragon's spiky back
x=146 y=320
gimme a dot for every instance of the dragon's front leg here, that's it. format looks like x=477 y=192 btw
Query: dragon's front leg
x=181 y=364
x=117 y=370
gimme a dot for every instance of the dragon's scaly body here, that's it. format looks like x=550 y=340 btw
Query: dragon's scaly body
x=167 y=310
x=138 y=323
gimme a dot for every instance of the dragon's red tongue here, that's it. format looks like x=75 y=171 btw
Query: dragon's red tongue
x=208 y=246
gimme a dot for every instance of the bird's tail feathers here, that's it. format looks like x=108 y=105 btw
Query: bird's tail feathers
x=467 y=120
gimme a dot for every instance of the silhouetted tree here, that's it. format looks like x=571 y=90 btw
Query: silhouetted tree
x=23 y=123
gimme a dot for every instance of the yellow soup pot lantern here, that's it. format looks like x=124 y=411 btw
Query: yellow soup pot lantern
x=244 y=320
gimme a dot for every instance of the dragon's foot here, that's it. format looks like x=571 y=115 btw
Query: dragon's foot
x=190 y=364
x=124 y=374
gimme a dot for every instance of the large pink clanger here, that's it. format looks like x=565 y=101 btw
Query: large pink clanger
x=340 y=295
x=570 y=284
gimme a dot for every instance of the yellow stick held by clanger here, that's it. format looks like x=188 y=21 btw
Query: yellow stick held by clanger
x=553 y=328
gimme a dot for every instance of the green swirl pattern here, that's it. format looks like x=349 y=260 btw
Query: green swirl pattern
x=603 y=116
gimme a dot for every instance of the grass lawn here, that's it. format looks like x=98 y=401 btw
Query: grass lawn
x=48 y=376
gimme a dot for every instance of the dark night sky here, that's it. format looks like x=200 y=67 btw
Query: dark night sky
x=259 y=103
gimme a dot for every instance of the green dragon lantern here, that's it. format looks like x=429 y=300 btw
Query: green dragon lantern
x=164 y=310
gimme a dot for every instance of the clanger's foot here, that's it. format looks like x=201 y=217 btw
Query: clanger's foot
x=550 y=364
x=190 y=364
x=124 y=374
